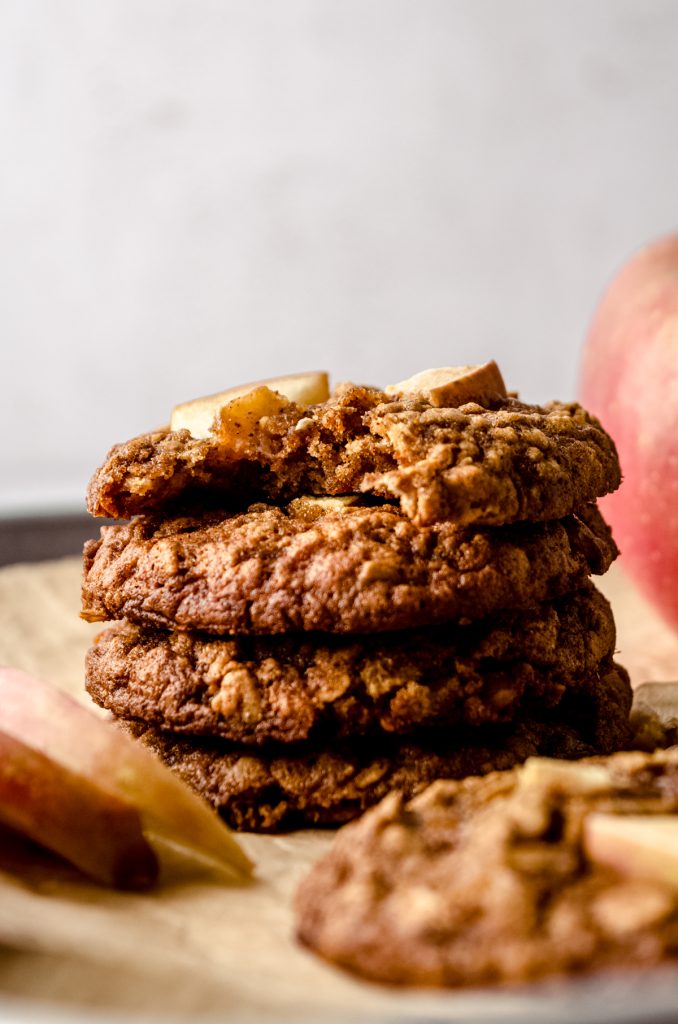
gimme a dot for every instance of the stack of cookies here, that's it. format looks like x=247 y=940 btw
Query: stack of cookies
x=325 y=598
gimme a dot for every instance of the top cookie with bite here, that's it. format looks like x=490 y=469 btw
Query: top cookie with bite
x=447 y=444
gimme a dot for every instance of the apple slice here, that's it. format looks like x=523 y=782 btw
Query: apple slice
x=54 y=725
x=86 y=825
x=565 y=776
x=637 y=845
x=197 y=416
x=451 y=386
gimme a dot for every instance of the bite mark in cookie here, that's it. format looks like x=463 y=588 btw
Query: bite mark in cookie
x=501 y=462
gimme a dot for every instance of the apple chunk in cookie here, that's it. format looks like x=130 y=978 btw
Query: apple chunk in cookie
x=637 y=845
x=451 y=386
x=198 y=416
x=448 y=444
x=550 y=774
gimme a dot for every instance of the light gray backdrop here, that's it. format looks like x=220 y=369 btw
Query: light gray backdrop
x=199 y=192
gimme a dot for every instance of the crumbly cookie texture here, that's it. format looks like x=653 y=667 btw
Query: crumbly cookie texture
x=491 y=880
x=290 y=787
x=499 y=463
x=358 y=569
x=291 y=688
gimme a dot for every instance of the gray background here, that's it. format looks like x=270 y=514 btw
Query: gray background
x=197 y=193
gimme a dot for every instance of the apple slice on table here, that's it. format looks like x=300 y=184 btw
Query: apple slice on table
x=637 y=845
x=92 y=757
x=198 y=415
x=69 y=814
x=451 y=386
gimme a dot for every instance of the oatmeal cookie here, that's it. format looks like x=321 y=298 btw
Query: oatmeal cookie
x=494 y=464
x=294 y=688
x=490 y=880
x=289 y=787
x=359 y=569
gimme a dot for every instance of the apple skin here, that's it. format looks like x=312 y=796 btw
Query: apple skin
x=74 y=816
x=629 y=379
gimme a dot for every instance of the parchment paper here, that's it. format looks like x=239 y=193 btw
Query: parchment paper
x=195 y=947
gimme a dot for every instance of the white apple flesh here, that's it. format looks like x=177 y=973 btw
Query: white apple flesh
x=636 y=845
x=565 y=776
x=327 y=503
x=52 y=724
x=451 y=386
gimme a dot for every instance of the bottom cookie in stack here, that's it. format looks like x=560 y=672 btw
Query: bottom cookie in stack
x=299 y=730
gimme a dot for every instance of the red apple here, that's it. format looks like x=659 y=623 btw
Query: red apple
x=629 y=379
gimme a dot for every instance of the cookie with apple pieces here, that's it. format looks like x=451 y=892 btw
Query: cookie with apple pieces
x=447 y=444
x=552 y=868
